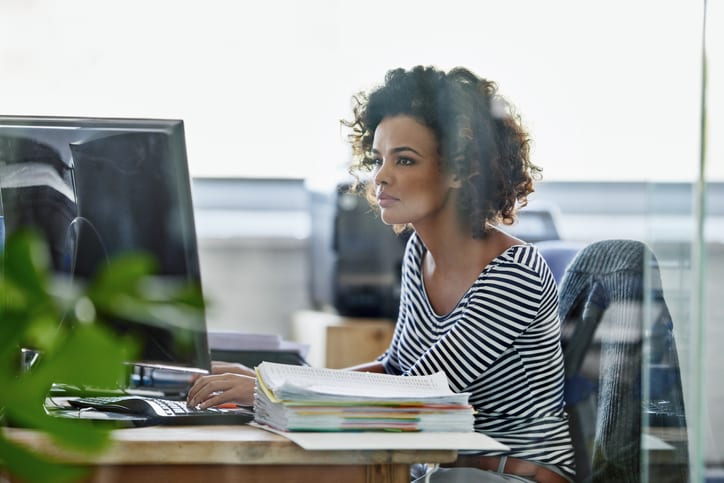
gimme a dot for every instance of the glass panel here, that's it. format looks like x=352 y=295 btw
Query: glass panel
x=687 y=237
x=669 y=320
x=710 y=439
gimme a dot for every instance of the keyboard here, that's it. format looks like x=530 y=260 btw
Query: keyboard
x=159 y=411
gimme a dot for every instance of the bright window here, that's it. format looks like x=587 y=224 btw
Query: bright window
x=610 y=90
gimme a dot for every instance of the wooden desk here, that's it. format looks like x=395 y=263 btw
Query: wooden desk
x=220 y=454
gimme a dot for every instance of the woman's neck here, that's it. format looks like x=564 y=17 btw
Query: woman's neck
x=453 y=262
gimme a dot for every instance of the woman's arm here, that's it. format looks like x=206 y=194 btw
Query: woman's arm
x=374 y=366
x=234 y=383
x=222 y=367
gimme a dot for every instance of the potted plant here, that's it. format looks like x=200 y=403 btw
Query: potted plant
x=33 y=303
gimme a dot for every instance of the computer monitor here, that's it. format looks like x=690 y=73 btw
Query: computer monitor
x=96 y=188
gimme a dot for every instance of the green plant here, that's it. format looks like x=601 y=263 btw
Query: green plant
x=32 y=304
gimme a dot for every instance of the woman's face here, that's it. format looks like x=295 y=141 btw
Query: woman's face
x=410 y=185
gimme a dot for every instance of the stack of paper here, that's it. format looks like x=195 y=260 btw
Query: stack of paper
x=301 y=398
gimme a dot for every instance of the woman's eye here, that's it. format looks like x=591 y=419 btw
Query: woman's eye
x=405 y=161
x=372 y=163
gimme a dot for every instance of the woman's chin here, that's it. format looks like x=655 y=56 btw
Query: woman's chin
x=390 y=220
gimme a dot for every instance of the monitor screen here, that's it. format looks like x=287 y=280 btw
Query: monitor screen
x=96 y=188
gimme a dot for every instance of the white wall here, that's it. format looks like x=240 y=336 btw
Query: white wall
x=609 y=89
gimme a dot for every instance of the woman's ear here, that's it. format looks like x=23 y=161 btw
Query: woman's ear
x=455 y=181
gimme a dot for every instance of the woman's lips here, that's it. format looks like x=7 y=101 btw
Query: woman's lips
x=385 y=200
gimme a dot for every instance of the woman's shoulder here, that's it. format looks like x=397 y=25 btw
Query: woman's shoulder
x=524 y=257
x=414 y=245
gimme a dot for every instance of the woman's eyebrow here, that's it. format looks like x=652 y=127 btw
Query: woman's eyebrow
x=400 y=149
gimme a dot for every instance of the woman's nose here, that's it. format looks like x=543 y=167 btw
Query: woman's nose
x=381 y=174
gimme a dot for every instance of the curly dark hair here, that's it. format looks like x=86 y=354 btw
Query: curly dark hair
x=481 y=139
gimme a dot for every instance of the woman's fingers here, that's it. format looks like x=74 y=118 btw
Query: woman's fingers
x=205 y=387
x=215 y=399
x=209 y=391
x=196 y=389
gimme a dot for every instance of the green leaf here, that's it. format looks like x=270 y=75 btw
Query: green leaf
x=89 y=356
x=121 y=275
x=26 y=262
x=60 y=320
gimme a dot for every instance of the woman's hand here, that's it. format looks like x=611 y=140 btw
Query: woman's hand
x=222 y=367
x=217 y=389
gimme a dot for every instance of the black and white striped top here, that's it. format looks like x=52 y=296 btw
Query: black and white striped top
x=501 y=343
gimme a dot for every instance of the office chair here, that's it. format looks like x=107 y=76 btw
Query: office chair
x=558 y=254
x=610 y=296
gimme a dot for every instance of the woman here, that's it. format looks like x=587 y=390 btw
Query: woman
x=448 y=159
